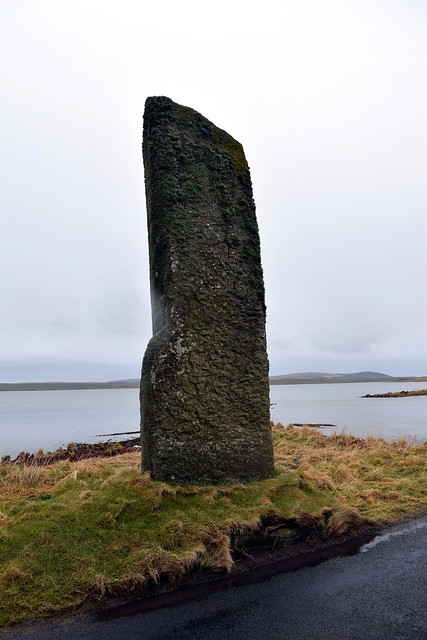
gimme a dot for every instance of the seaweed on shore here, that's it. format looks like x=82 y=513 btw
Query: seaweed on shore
x=74 y=452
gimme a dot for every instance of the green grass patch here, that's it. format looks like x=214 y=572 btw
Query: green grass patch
x=73 y=532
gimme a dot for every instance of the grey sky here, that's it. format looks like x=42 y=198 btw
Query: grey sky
x=329 y=101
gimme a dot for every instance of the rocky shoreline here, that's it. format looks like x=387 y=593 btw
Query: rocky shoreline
x=397 y=394
x=76 y=451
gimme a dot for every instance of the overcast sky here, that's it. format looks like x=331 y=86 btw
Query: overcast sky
x=328 y=98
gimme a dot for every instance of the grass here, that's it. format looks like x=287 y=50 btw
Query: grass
x=73 y=532
x=382 y=480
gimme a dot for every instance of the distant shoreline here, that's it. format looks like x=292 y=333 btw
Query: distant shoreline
x=398 y=394
x=293 y=378
x=67 y=386
x=343 y=381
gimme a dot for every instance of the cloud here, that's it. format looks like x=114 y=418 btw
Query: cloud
x=327 y=101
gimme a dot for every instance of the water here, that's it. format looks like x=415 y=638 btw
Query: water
x=343 y=406
x=400 y=531
x=32 y=420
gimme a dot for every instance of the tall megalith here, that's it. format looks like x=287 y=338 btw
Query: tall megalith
x=204 y=387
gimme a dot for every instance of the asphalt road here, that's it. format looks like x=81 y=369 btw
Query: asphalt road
x=380 y=593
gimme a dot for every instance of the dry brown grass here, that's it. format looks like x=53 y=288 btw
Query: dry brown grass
x=381 y=480
x=116 y=530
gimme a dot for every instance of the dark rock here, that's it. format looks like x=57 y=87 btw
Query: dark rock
x=204 y=388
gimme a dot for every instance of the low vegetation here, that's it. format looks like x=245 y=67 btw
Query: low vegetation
x=72 y=532
x=398 y=394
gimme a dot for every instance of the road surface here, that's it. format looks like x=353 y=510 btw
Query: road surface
x=378 y=594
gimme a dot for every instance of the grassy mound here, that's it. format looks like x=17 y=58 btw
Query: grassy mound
x=71 y=532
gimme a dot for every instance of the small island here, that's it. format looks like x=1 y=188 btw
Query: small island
x=398 y=394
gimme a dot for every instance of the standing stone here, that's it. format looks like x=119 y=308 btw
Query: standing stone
x=204 y=390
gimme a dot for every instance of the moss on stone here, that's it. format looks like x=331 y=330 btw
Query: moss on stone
x=208 y=305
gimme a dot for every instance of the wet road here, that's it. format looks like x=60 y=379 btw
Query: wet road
x=380 y=593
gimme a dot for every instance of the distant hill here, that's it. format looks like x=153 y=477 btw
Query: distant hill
x=311 y=377
x=308 y=377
